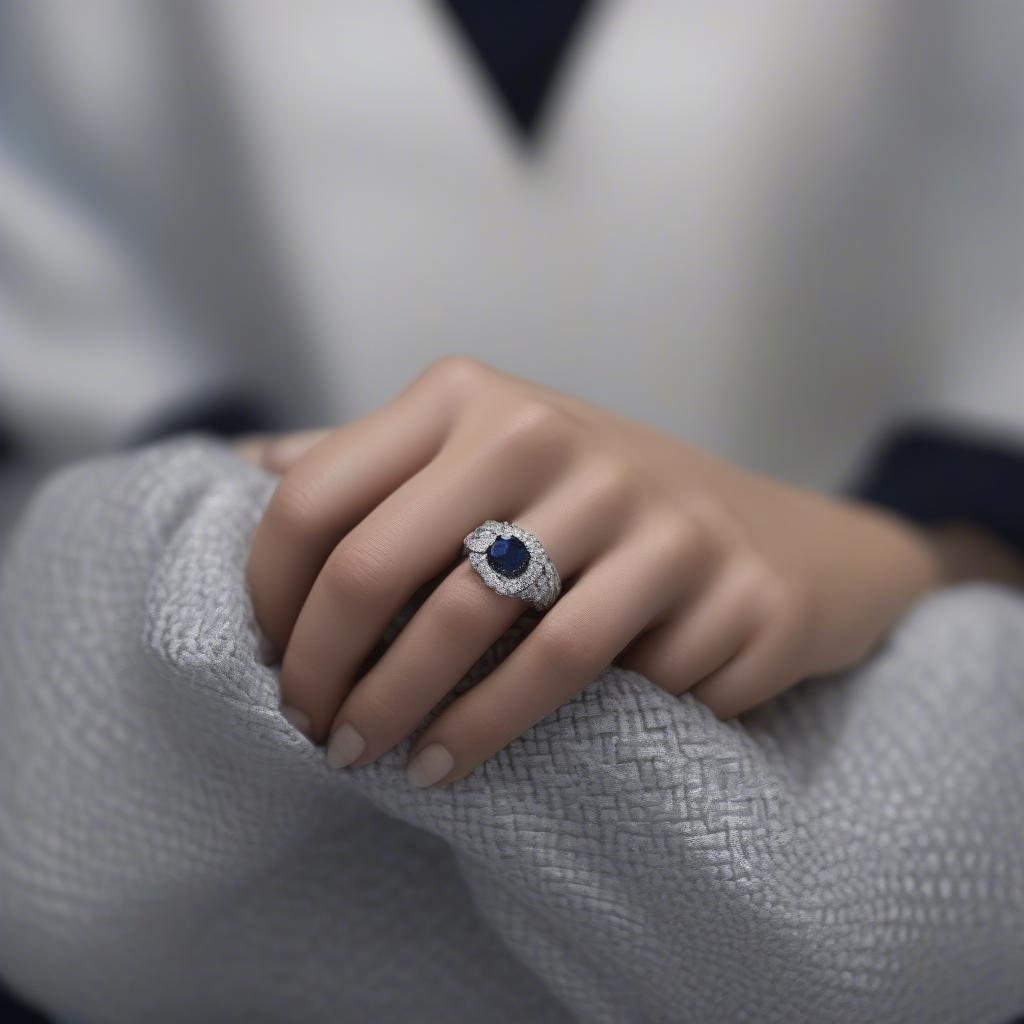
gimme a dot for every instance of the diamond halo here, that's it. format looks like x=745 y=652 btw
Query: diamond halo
x=538 y=583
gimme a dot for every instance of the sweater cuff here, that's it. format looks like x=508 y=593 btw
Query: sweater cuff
x=934 y=472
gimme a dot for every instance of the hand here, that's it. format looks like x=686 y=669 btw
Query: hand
x=705 y=577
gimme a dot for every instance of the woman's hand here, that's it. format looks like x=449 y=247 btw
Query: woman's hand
x=707 y=578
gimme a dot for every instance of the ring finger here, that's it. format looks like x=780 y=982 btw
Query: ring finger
x=403 y=543
x=612 y=601
x=713 y=625
x=461 y=619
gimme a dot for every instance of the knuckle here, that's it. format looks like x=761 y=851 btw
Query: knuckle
x=532 y=427
x=611 y=484
x=680 y=540
x=456 y=374
x=756 y=583
x=358 y=568
x=536 y=430
x=780 y=598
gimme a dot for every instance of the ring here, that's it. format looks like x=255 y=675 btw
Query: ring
x=513 y=563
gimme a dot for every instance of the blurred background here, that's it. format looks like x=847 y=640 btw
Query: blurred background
x=770 y=228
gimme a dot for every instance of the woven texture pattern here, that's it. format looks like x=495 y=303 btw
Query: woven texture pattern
x=171 y=849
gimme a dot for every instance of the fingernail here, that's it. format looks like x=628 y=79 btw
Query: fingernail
x=345 y=746
x=298 y=718
x=430 y=765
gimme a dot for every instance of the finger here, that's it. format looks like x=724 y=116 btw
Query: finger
x=411 y=536
x=326 y=492
x=250 y=447
x=764 y=667
x=276 y=453
x=715 y=623
x=578 y=637
x=461 y=619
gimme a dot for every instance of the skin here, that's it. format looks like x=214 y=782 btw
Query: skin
x=705 y=577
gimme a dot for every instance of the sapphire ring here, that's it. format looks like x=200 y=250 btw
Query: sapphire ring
x=513 y=563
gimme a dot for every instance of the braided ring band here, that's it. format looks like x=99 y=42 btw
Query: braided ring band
x=513 y=563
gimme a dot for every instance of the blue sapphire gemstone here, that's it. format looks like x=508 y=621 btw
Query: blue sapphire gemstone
x=509 y=557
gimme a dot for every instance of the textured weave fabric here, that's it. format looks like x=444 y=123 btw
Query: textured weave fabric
x=171 y=849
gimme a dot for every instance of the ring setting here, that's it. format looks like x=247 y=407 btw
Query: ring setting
x=513 y=562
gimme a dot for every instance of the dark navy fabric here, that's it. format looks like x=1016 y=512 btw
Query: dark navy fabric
x=939 y=471
x=228 y=415
x=12 y=1011
x=521 y=45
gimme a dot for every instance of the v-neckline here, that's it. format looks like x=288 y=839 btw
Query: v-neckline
x=522 y=47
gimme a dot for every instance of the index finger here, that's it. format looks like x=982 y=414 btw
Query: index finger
x=336 y=483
